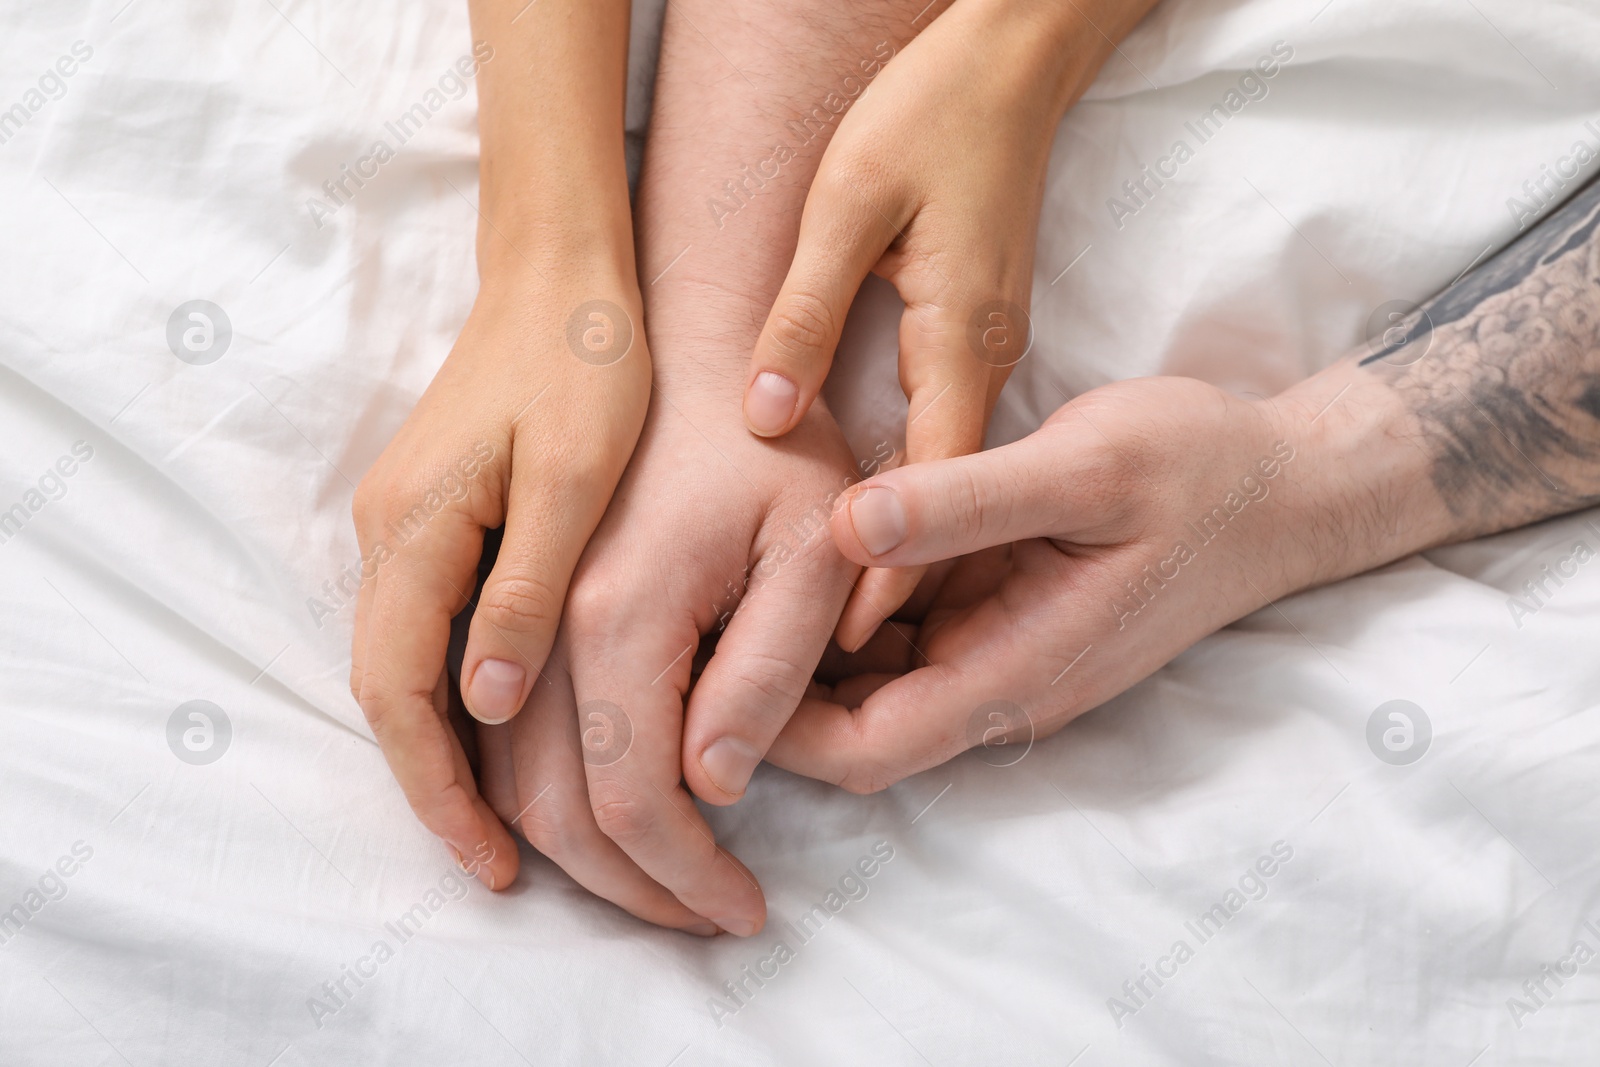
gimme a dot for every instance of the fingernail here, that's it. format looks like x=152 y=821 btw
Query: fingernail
x=739 y=927
x=878 y=518
x=483 y=873
x=703 y=929
x=729 y=762
x=496 y=690
x=769 y=402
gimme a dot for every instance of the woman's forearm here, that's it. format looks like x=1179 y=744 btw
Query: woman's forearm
x=1062 y=44
x=552 y=176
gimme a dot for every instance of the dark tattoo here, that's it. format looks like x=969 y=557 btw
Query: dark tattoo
x=1503 y=371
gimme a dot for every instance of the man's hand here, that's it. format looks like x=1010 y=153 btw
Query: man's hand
x=712 y=531
x=1148 y=514
x=1141 y=517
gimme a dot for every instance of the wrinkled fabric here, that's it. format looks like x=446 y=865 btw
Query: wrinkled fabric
x=184 y=532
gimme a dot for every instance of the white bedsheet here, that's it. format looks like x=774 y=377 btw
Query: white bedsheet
x=208 y=904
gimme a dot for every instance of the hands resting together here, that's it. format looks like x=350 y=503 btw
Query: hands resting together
x=669 y=482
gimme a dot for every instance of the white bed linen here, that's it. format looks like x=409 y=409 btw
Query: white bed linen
x=216 y=900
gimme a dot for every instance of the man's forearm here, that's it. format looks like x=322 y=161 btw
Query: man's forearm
x=747 y=99
x=1478 y=413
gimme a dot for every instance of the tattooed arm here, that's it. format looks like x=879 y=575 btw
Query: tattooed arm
x=1147 y=514
x=1481 y=411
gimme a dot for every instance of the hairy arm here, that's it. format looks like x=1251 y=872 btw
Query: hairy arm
x=1502 y=371
x=1478 y=412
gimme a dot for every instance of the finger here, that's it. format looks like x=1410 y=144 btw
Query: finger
x=892 y=650
x=358 y=637
x=842 y=235
x=947 y=587
x=630 y=669
x=494 y=858
x=552 y=808
x=953 y=360
x=853 y=691
x=917 y=721
x=413 y=599
x=386 y=529
x=932 y=511
x=878 y=594
x=760 y=671
x=548 y=520
x=497 y=775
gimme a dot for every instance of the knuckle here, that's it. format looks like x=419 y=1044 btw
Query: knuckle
x=801 y=325
x=521 y=603
x=620 y=815
x=965 y=506
x=595 y=607
x=851 y=175
x=868 y=779
x=431 y=809
x=773 y=680
x=875 y=759
x=377 y=704
x=865 y=772
x=368 y=499
x=549 y=832
x=384 y=705
x=1114 y=475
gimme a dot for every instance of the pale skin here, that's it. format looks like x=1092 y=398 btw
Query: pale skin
x=704 y=519
x=736 y=531
x=554 y=233
x=1488 y=420
x=708 y=516
x=532 y=771
x=705 y=516
x=934 y=183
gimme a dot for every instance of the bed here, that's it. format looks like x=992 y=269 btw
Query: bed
x=1236 y=862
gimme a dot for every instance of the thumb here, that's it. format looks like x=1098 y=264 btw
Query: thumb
x=842 y=235
x=947 y=508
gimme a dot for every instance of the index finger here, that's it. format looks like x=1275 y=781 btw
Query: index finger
x=761 y=668
x=630 y=670
x=842 y=234
x=415 y=595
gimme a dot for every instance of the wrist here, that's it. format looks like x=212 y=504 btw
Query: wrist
x=561 y=312
x=1060 y=46
x=1363 y=495
x=534 y=245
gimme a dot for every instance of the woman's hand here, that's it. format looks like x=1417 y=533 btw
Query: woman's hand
x=528 y=423
x=520 y=429
x=934 y=182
